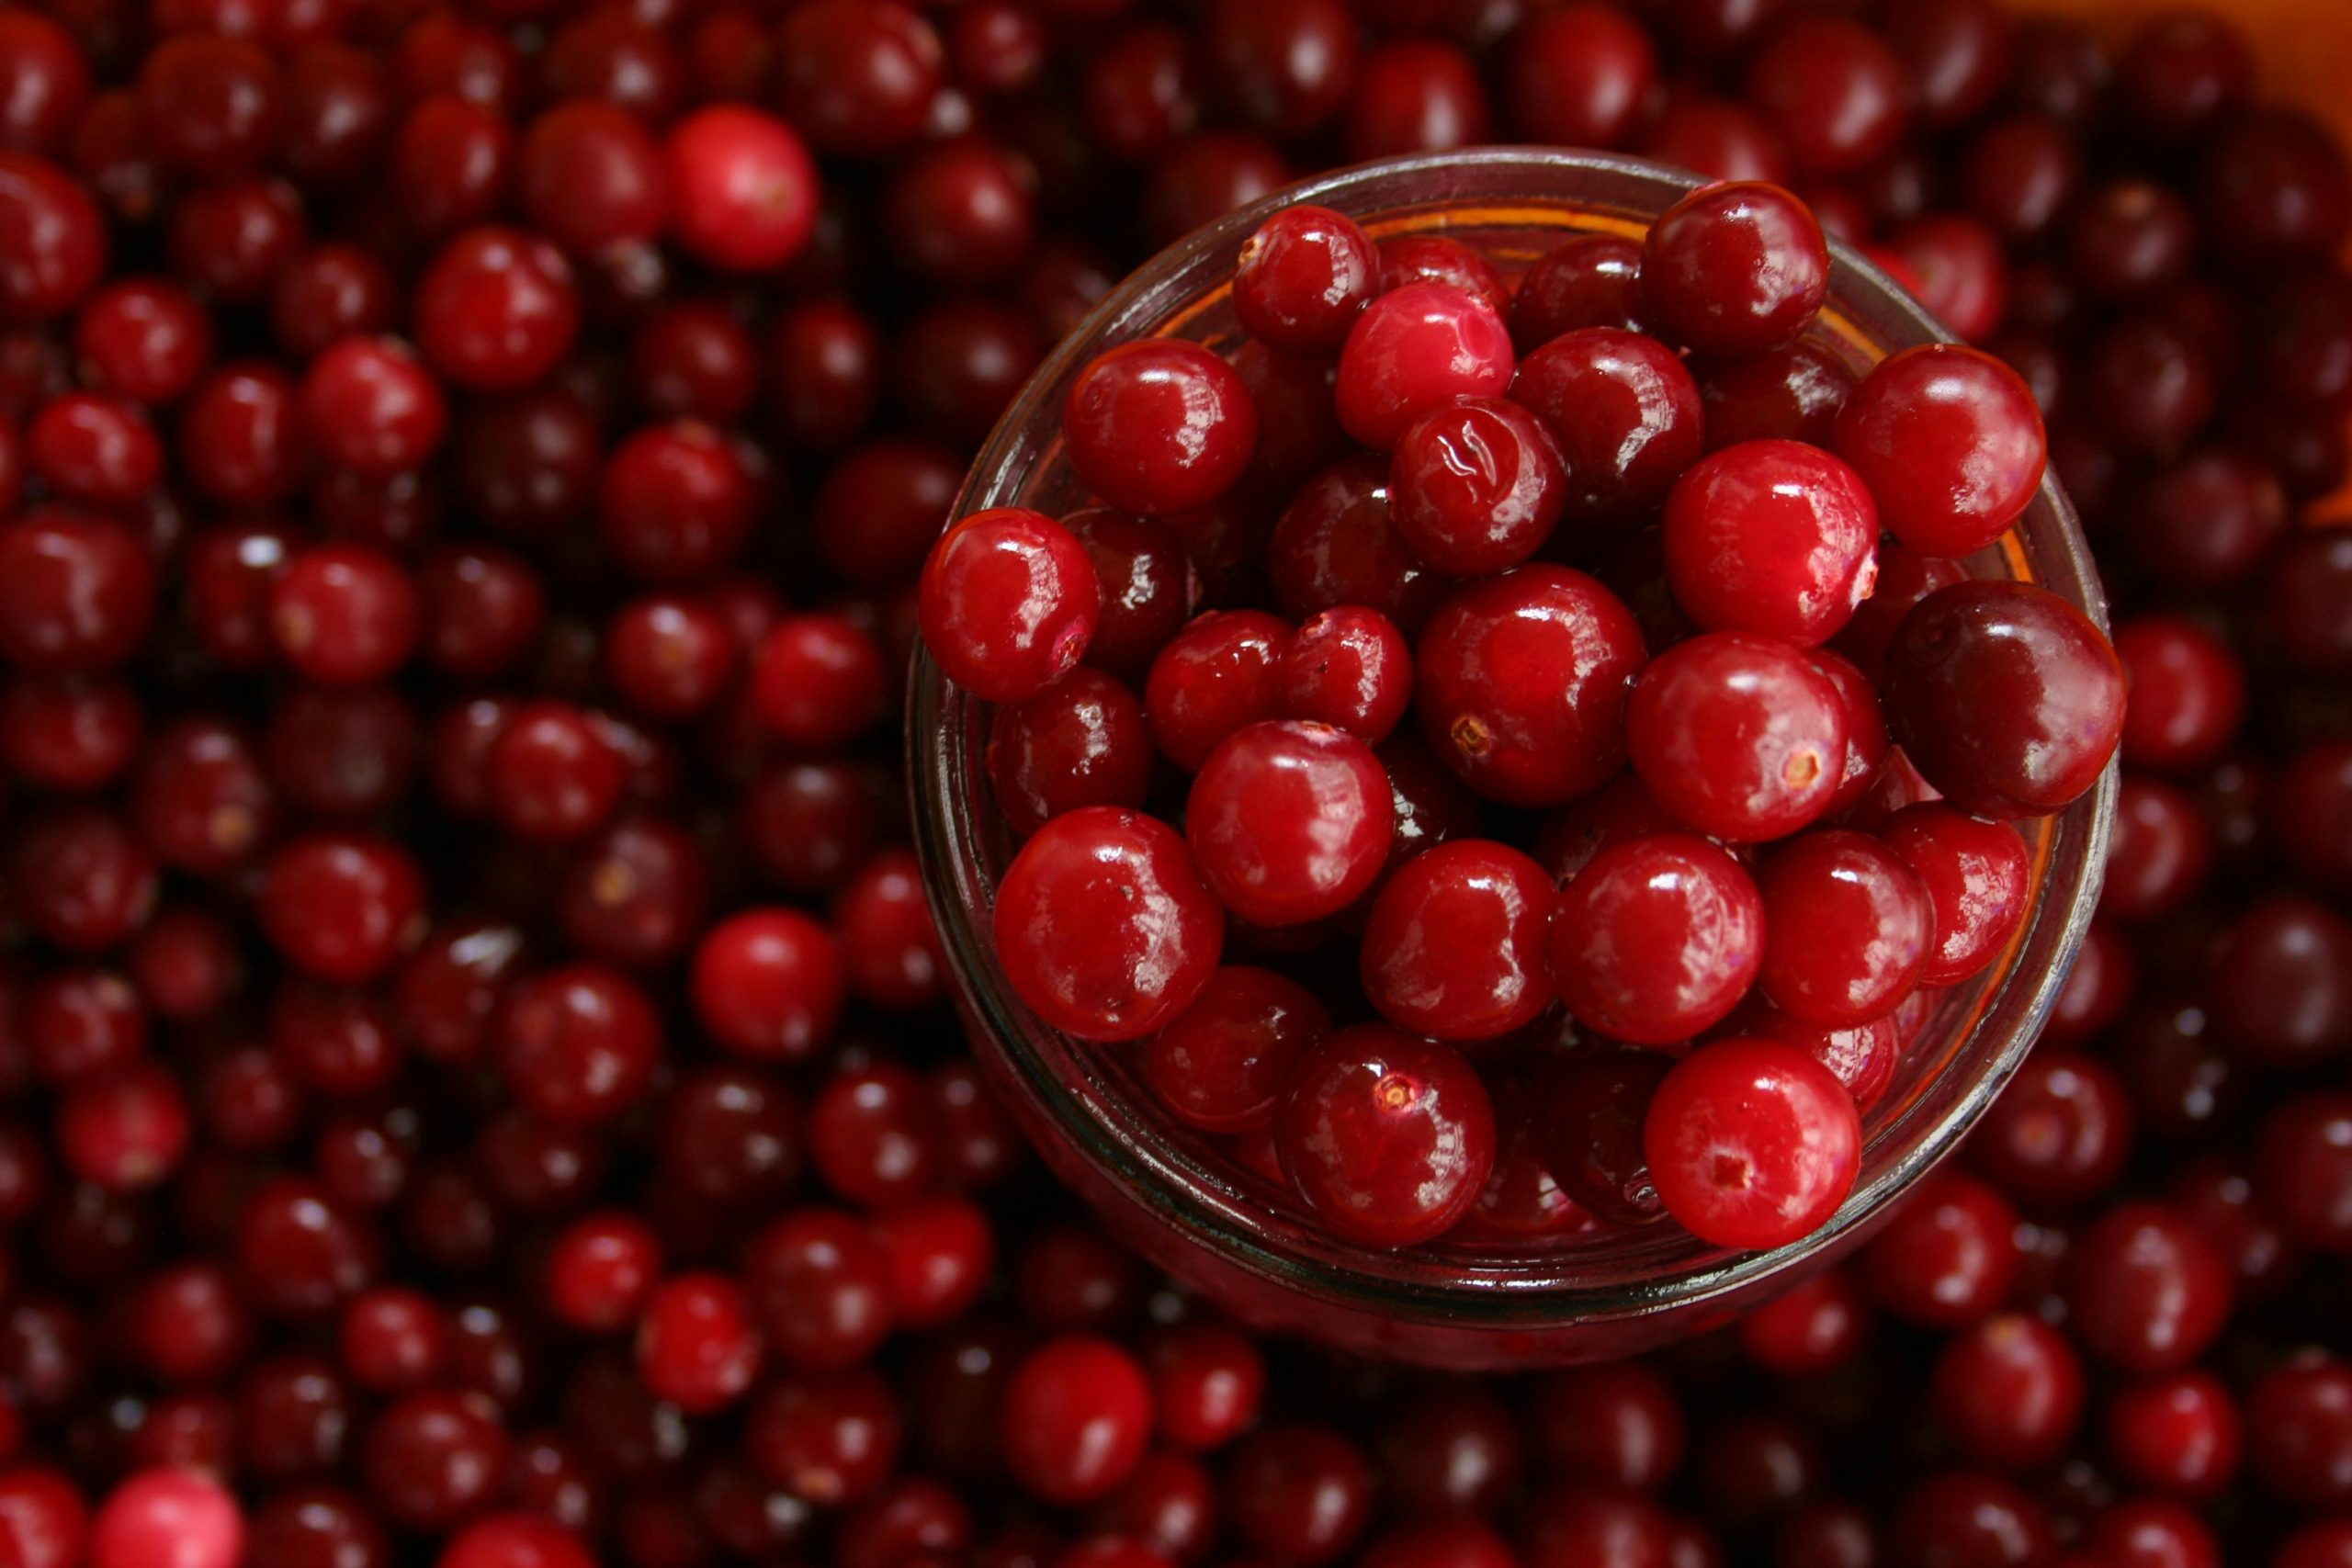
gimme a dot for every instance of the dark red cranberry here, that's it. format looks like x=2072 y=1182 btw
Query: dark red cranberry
x=1625 y=413
x=1974 y=650
x=1075 y=1418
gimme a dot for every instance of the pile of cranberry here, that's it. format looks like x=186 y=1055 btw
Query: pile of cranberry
x=474 y=1083
x=1770 y=877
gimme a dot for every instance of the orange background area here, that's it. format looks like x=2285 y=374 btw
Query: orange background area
x=2304 y=46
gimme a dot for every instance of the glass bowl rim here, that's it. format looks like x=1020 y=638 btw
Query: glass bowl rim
x=1528 y=1290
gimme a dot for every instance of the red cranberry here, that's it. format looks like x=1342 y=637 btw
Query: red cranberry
x=1159 y=425
x=1105 y=954
x=1487 y=976
x=1303 y=278
x=1388 y=1138
x=1075 y=1419
x=1414 y=349
x=1975 y=650
x=1289 y=822
x=495 y=310
x=1009 y=602
x=743 y=190
x=1655 y=939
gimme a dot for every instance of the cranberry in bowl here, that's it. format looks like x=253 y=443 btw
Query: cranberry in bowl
x=1508 y=749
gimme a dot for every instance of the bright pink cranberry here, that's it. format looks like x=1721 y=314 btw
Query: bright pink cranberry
x=1521 y=684
x=512 y=1540
x=1303 y=278
x=167 y=1518
x=1075 y=1419
x=1752 y=1144
x=1158 y=426
x=1774 y=537
x=1626 y=414
x=1736 y=735
x=2005 y=696
x=1009 y=601
x=1453 y=944
x=1102 y=926
x=1388 y=1139
x=1655 y=939
x=1475 y=487
x=1734 y=269
x=743 y=189
x=1289 y=822
x=1977 y=877
x=1413 y=350
x=1950 y=442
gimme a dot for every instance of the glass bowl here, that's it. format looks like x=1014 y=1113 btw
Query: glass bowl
x=1229 y=1235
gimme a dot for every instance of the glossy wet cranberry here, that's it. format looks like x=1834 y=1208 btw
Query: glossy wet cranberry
x=1348 y=667
x=1977 y=877
x=1334 y=546
x=1475 y=487
x=1219 y=674
x=1655 y=939
x=1159 y=426
x=1975 y=650
x=1009 y=601
x=1737 y=736
x=1751 y=1142
x=1413 y=349
x=1774 y=537
x=1102 y=924
x=1303 y=278
x=1591 y=281
x=1848 y=928
x=1289 y=822
x=1950 y=443
x=1626 y=414
x=1521 y=684
x=1485 y=976
x=1734 y=268
x=1388 y=1138
x=1082 y=741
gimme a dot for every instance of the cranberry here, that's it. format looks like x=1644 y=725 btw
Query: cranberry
x=1772 y=537
x=1075 y=1418
x=515 y=1541
x=1487 y=976
x=1303 y=278
x=57 y=244
x=1159 y=425
x=1734 y=269
x=1334 y=546
x=1977 y=877
x=1974 y=648
x=1493 y=666
x=1475 y=487
x=767 y=984
x=1578 y=76
x=1388 y=1138
x=1289 y=822
x=1101 y=952
x=1737 y=736
x=2061 y=1133
x=743 y=190
x=1655 y=939
x=859 y=73
x=1950 y=443
x=1413 y=349
x=495 y=310
x=2178 y=1433
x=2146 y=1289
x=167 y=1516
x=1625 y=413
x=1009 y=602
x=1299 y=1492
